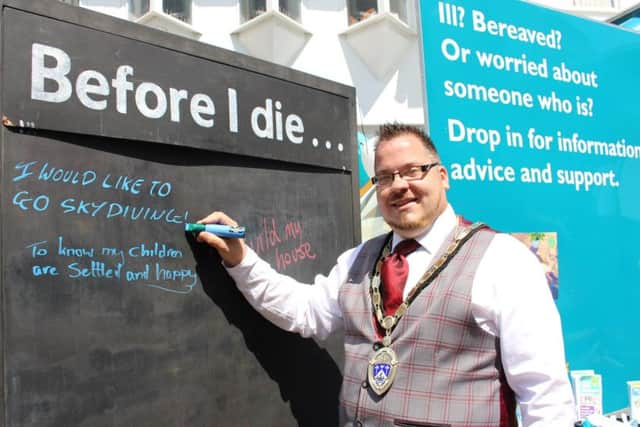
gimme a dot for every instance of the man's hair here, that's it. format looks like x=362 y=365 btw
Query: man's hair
x=389 y=131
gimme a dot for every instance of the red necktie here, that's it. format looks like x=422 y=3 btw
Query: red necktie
x=393 y=273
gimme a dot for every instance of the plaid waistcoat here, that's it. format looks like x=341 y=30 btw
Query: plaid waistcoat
x=449 y=371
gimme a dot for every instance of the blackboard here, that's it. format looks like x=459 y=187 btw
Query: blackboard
x=115 y=135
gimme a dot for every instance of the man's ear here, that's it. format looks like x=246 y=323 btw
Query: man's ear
x=444 y=176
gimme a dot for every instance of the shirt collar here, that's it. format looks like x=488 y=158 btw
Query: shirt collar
x=433 y=238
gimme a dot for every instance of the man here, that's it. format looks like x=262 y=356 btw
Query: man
x=477 y=334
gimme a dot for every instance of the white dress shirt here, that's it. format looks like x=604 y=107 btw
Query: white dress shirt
x=510 y=299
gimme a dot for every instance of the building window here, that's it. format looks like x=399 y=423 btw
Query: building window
x=179 y=9
x=249 y=9
x=137 y=8
x=400 y=8
x=601 y=4
x=359 y=10
x=71 y=2
x=291 y=8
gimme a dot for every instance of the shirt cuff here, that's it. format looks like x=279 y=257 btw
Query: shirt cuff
x=241 y=272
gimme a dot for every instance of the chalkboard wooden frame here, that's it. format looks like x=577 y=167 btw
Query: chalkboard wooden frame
x=86 y=350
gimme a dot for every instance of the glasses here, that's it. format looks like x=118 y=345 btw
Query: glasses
x=412 y=173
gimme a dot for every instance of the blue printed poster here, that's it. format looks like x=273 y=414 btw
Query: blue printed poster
x=535 y=114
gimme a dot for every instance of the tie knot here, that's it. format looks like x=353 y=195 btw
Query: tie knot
x=405 y=247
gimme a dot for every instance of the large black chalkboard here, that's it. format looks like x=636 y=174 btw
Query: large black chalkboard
x=111 y=314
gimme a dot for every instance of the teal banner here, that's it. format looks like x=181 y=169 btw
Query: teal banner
x=535 y=114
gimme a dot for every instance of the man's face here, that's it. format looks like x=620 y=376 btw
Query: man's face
x=410 y=207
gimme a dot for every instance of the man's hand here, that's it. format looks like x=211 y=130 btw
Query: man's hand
x=232 y=251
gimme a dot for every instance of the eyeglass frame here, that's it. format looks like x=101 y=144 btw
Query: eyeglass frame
x=375 y=180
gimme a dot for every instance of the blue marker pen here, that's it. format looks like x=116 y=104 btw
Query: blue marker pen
x=220 y=230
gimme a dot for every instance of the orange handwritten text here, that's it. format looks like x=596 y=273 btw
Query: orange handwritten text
x=267 y=238
x=288 y=250
x=284 y=260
